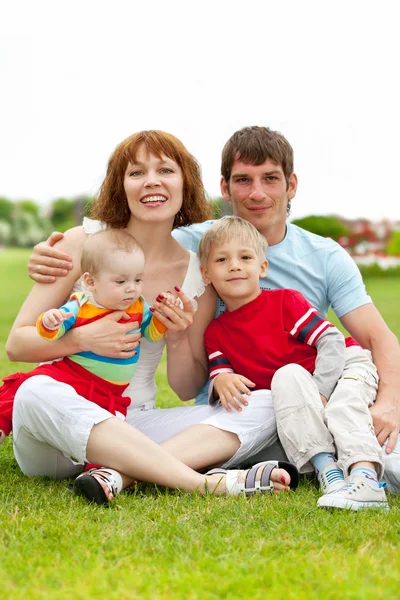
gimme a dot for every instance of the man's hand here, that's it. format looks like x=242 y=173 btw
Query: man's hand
x=109 y=338
x=386 y=419
x=232 y=390
x=47 y=263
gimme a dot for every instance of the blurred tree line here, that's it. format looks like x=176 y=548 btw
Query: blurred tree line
x=25 y=223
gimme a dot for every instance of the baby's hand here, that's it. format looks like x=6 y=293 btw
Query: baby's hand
x=54 y=317
x=176 y=311
x=169 y=299
x=232 y=390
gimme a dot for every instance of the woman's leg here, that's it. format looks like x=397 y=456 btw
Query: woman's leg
x=51 y=424
x=204 y=436
x=54 y=416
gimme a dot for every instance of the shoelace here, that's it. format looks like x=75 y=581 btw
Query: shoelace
x=351 y=484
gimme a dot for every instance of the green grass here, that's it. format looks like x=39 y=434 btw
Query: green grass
x=159 y=544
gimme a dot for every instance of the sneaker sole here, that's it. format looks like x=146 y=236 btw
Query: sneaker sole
x=351 y=504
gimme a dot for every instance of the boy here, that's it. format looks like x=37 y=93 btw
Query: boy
x=276 y=340
x=112 y=265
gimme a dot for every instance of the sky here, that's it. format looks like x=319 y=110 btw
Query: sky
x=79 y=76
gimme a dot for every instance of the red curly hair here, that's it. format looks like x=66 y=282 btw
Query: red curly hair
x=112 y=207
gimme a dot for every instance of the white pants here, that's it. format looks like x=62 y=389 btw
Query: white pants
x=344 y=427
x=52 y=424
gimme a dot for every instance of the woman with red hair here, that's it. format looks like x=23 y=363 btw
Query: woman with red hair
x=152 y=185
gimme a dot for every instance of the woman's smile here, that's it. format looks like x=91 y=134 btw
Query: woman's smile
x=153 y=199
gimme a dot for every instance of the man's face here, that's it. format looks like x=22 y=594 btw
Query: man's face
x=260 y=194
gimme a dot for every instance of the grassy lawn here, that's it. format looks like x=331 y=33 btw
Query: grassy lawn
x=159 y=544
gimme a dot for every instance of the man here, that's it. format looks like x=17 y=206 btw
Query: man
x=258 y=179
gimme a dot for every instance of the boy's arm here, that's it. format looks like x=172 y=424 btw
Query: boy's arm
x=226 y=386
x=330 y=360
x=305 y=324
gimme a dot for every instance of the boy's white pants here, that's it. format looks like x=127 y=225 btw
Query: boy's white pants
x=344 y=427
x=52 y=425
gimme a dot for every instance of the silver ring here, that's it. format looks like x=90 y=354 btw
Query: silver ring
x=39 y=268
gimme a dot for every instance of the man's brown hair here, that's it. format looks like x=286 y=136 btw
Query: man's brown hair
x=255 y=145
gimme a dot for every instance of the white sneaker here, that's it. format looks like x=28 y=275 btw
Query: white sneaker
x=355 y=495
x=331 y=479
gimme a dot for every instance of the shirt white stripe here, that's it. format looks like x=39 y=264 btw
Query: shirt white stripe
x=218 y=371
x=317 y=332
x=214 y=355
x=303 y=318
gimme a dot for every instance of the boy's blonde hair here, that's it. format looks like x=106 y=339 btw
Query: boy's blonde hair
x=100 y=245
x=228 y=229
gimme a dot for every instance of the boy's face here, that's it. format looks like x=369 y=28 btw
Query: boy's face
x=234 y=269
x=119 y=282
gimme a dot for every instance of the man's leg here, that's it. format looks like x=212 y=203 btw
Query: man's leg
x=348 y=416
x=392 y=469
x=274 y=452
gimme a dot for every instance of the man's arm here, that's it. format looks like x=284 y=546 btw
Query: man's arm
x=367 y=326
x=46 y=263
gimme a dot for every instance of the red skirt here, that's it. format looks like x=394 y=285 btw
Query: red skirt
x=103 y=393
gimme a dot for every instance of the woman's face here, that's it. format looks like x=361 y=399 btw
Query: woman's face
x=154 y=188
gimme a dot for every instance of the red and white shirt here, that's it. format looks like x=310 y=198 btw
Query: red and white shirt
x=279 y=327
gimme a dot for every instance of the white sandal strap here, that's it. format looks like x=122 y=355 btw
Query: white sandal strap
x=250 y=486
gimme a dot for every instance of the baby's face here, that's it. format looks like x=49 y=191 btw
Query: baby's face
x=119 y=283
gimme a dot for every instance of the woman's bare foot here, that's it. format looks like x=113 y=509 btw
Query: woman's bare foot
x=276 y=479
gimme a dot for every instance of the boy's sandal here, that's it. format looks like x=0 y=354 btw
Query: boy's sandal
x=251 y=486
x=88 y=486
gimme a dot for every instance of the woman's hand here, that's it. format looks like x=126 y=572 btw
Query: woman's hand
x=47 y=263
x=176 y=312
x=109 y=338
x=232 y=390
